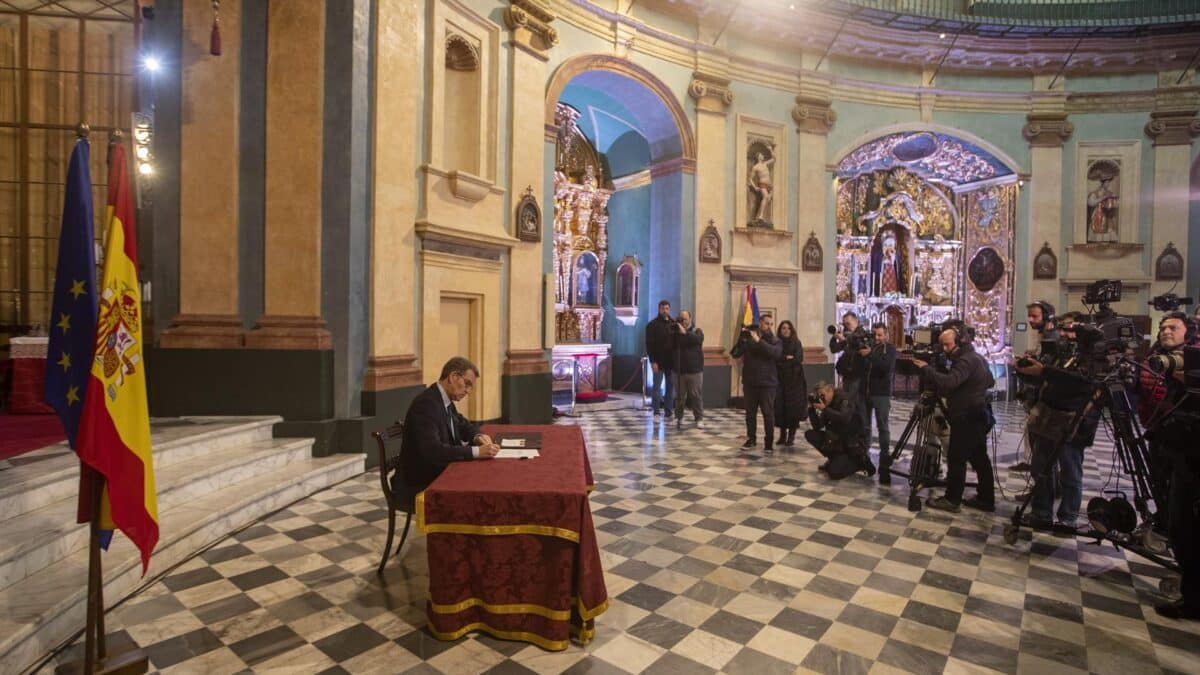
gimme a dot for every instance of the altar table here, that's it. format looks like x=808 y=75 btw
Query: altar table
x=512 y=550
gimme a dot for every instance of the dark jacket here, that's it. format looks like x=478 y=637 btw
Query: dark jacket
x=758 y=360
x=427 y=445
x=792 y=396
x=882 y=364
x=660 y=343
x=1069 y=391
x=850 y=365
x=839 y=420
x=965 y=386
x=689 y=348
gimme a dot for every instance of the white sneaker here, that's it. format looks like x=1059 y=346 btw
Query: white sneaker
x=699 y=424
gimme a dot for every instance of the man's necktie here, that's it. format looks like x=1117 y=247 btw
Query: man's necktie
x=450 y=413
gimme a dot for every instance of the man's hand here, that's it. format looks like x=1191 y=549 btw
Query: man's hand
x=919 y=363
x=865 y=351
x=481 y=440
x=818 y=405
x=1034 y=369
x=754 y=335
x=679 y=327
x=488 y=451
x=654 y=367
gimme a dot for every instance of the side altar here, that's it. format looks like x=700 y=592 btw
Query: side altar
x=580 y=257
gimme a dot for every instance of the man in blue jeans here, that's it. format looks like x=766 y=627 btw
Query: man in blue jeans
x=881 y=369
x=660 y=348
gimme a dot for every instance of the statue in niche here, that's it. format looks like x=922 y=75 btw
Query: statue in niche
x=1102 y=201
x=885 y=267
x=933 y=283
x=761 y=186
x=585 y=273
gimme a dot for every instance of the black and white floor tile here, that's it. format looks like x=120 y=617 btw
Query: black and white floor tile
x=715 y=560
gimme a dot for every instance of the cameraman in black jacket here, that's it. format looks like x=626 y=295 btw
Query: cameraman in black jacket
x=836 y=433
x=965 y=387
x=881 y=362
x=851 y=366
x=660 y=348
x=759 y=349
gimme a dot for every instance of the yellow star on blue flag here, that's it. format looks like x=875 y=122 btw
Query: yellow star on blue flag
x=65 y=361
x=77 y=289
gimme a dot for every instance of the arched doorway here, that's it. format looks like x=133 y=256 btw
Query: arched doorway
x=623 y=155
x=926 y=222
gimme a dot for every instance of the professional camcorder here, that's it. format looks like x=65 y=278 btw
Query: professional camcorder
x=860 y=338
x=924 y=345
x=1169 y=302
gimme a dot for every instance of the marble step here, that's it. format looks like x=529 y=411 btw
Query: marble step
x=51 y=474
x=40 y=613
x=41 y=537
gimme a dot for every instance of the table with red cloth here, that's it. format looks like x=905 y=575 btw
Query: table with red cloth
x=512 y=549
x=27 y=395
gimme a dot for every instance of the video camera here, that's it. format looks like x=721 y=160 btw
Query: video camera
x=860 y=338
x=1169 y=302
x=925 y=345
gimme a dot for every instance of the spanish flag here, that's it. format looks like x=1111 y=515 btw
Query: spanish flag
x=750 y=307
x=114 y=433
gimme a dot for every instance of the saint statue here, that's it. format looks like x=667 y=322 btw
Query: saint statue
x=583 y=285
x=887 y=276
x=761 y=189
x=1102 y=203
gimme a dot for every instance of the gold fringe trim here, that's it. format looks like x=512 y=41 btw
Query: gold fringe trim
x=552 y=614
x=584 y=635
x=589 y=614
x=550 y=645
x=456 y=528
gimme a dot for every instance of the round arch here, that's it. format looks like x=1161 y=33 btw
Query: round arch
x=903 y=127
x=577 y=65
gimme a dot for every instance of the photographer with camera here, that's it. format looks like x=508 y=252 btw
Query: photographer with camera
x=851 y=365
x=881 y=370
x=965 y=387
x=689 y=341
x=836 y=432
x=660 y=348
x=759 y=349
x=1164 y=364
x=1041 y=318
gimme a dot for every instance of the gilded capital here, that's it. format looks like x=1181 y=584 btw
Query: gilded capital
x=1047 y=130
x=711 y=92
x=532 y=18
x=813 y=115
x=1173 y=128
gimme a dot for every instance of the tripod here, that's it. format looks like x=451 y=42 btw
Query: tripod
x=928 y=428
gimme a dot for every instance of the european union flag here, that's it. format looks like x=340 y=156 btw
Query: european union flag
x=73 y=319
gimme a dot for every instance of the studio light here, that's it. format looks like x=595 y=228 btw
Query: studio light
x=151 y=63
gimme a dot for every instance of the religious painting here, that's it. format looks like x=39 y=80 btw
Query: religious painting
x=1045 y=263
x=529 y=217
x=1169 y=265
x=1103 y=201
x=812 y=258
x=710 y=244
x=986 y=269
x=585 y=279
x=760 y=157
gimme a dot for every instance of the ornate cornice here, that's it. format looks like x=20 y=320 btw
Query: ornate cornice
x=1173 y=128
x=711 y=92
x=533 y=16
x=813 y=115
x=1047 y=130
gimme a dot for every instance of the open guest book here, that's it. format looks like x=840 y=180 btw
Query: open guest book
x=518 y=444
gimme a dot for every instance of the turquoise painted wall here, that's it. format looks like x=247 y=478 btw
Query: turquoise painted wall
x=628 y=234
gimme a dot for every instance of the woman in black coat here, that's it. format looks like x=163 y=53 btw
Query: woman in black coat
x=791 y=400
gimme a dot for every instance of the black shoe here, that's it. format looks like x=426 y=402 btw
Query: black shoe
x=782 y=438
x=942 y=504
x=768 y=450
x=1036 y=524
x=979 y=505
x=750 y=443
x=1021 y=467
x=1177 y=610
x=865 y=465
x=679 y=424
x=823 y=467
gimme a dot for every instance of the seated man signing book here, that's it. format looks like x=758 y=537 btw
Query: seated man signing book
x=435 y=434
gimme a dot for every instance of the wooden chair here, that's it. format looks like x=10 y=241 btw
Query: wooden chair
x=403 y=502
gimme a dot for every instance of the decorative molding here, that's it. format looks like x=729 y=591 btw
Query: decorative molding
x=274 y=331
x=461 y=54
x=203 y=331
x=751 y=273
x=463 y=242
x=632 y=181
x=1047 y=130
x=1173 y=128
x=813 y=115
x=468 y=186
x=391 y=372
x=711 y=92
x=533 y=16
x=715 y=356
x=526 y=362
x=669 y=166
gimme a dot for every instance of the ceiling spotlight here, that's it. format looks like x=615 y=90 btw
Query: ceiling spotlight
x=942 y=36
x=152 y=64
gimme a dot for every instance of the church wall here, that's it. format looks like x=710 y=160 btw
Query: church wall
x=628 y=234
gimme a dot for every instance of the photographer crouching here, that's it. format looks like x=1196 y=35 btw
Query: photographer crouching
x=965 y=387
x=837 y=432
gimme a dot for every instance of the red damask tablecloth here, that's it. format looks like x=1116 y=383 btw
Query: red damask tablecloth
x=512 y=550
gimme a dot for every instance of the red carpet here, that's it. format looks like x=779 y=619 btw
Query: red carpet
x=23 y=433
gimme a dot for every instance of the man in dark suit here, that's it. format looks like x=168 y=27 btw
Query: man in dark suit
x=435 y=434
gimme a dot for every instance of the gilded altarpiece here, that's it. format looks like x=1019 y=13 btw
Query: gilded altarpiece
x=580 y=259
x=925 y=230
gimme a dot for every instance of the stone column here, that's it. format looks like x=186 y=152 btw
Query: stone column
x=1172 y=132
x=814 y=117
x=525 y=390
x=393 y=302
x=1046 y=129
x=713 y=97
x=208 y=184
x=292 y=241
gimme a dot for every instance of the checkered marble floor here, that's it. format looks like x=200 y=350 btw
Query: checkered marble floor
x=715 y=561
